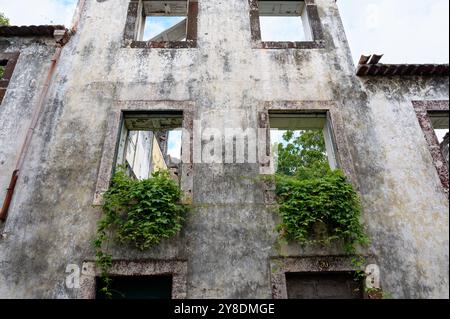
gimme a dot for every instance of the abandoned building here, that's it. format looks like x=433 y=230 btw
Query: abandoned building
x=77 y=101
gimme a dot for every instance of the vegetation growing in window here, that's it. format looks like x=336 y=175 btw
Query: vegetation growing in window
x=139 y=213
x=311 y=196
x=317 y=205
x=3 y=19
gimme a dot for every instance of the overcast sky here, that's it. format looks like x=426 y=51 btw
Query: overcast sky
x=406 y=31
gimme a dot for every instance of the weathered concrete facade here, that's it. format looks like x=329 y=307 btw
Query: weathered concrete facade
x=226 y=79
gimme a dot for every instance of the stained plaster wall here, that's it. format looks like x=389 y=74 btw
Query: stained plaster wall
x=229 y=238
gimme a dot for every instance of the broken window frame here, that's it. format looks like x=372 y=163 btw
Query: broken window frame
x=423 y=111
x=139 y=118
x=8 y=61
x=311 y=22
x=135 y=25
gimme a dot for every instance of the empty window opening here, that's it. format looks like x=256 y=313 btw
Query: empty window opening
x=7 y=64
x=302 y=144
x=284 y=21
x=440 y=122
x=165 y=29
x=137 y=287
x=151 y=142
x=2 y=68
x=3 y=82
x=165 y=21
x=330 y=285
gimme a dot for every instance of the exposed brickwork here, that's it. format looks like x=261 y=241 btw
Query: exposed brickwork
x=191 y=32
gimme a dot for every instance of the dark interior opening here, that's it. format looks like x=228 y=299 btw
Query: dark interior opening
x=137 y=287
x=3 y=63
x=324 y=285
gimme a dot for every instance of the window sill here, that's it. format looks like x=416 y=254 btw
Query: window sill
x=303 y=45
x=163 y=44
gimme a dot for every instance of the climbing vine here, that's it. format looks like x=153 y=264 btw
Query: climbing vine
x=139 y=213
x=317 y=205
x=328 y=202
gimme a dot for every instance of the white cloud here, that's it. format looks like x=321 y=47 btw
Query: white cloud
x=373 y=15
x=276 y=136
x=405 y=31
x=33 y=12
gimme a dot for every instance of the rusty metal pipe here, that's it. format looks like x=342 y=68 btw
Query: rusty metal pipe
x=9 y=195
x=76 y=20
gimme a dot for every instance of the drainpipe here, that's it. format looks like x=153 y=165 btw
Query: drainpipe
x=61 y=38
x=76 y=20
x=34 y=121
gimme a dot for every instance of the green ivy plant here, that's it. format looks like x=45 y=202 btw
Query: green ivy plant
x=312 y=196
x=3 y=21
x=328 y=200
x=139 y=213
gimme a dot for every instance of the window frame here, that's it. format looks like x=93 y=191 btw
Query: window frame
x=311 y=14
x=327 y=131
x=350 y=278
x=175 y=268
x=341 y=147
x=148 y=285
x=114 y=128
x=280 y=266
x=124 y=140
x=423 y=110
x=335 y=129
x=10 y=62
x=135 y=23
